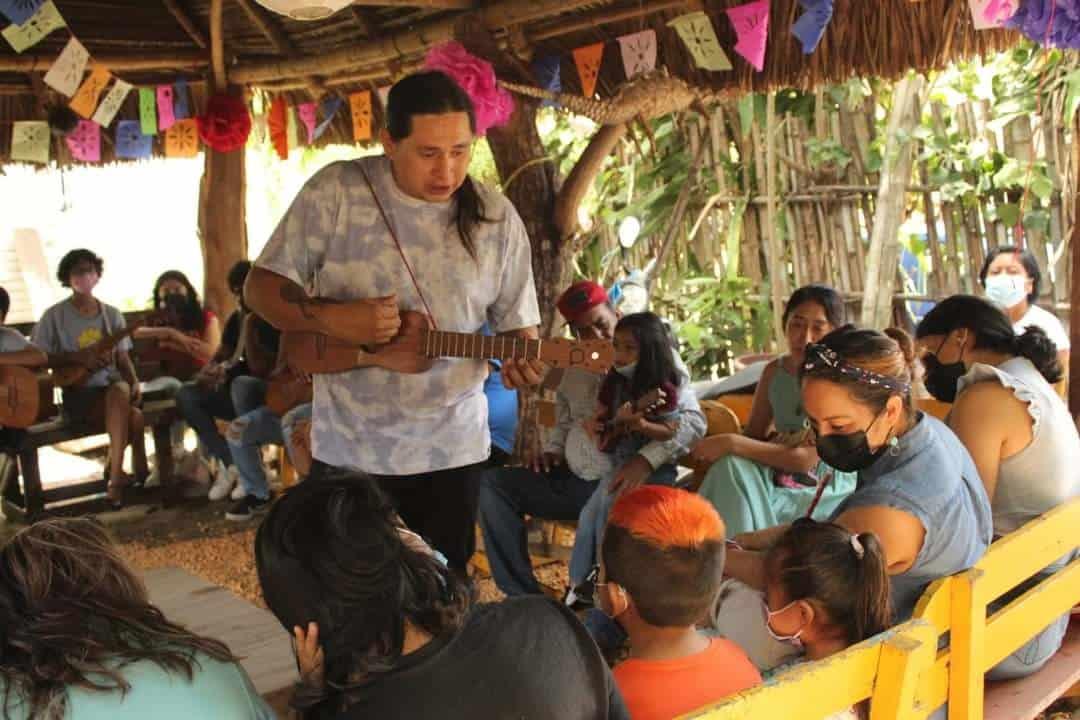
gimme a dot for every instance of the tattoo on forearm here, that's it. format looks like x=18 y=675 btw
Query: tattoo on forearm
x=294 y=295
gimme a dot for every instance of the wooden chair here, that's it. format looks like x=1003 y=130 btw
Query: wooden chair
x=887 y=670
x=720 y=419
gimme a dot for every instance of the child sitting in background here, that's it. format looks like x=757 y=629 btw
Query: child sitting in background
x=826 y=589
x=660 y=570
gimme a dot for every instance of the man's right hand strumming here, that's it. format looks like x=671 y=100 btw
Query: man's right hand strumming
x=371 y=321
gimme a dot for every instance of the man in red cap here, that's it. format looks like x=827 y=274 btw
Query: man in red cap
x=561 y=479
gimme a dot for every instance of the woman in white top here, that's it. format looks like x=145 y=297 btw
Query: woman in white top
x=1017 y=429
x=1011 y=278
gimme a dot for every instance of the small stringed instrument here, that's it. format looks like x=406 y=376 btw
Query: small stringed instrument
x=20 y=399
x=416 y=347
x=74 y=374
x=613 y=429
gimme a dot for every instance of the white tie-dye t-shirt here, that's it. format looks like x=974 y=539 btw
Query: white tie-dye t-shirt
x=334 y=240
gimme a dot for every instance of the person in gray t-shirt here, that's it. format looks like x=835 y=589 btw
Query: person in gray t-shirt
x=15 y=350
x=68 y=332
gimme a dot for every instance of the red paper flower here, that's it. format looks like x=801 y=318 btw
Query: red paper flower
x=226 y=123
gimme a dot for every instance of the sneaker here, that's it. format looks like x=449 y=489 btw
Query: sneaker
x=224 y=481
x=238 y=492
x=248 y=508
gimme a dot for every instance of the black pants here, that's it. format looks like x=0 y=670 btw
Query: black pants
x=439 y=506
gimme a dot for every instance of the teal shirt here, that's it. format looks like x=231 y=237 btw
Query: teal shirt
x=217 y=691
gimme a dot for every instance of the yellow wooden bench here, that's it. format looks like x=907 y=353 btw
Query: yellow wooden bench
x=888 y=669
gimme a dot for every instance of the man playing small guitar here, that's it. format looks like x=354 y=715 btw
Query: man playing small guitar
x=75 y=333
x=407 y=231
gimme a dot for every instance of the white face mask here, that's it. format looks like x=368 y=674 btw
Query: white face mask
x=793 y=640
x=627 y=371
x=1006 y=291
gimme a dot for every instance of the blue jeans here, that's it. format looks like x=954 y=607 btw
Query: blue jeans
x=200 y=406
x=249 y=432
x=507 y=495
x=593 y=519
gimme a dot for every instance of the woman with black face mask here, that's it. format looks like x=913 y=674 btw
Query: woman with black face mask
x=918 y=490
x=1016 y=427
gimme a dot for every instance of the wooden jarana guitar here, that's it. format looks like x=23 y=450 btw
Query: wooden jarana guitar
x=69 y=375
x=416 y=347
x=20 y=399
x=613 y=429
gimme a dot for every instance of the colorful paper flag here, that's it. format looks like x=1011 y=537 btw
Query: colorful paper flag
x=30 y=33
x=810 y=27
x=19 y=11
x=751 y=23
x=277 y=122
x=166 y=117
x=30 y=141
x=131 y=143
x=588 y=59
x=182 y=139
x=360 y=108
x=148 y=111
x=697 y=33
x=292 y=129
x=306 y=113
x=638 y=52
x=84 y=141
x=67 y=72
x=112 y=102
x=548 y=73
x=384 y=96
x=987 y=14
x=180 y=100
x=86 y=97
x=329 y=108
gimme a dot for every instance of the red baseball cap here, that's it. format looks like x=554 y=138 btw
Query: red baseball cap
x=579 y=298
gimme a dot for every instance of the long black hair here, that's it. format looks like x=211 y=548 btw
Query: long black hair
x=436 y=93
x=1031 y=265
x=656 y=364
x=191 y=315
x=330 y=552
x=993 y=331
x=823 y=295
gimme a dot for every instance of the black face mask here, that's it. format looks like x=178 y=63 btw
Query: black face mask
x=175 y=302
x=848 y=453
x=941 y=379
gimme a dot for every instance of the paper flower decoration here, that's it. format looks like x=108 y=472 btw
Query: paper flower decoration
x=492 y=104
x=226 y=123
x=1045 y=24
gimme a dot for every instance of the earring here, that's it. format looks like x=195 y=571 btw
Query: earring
x=894 y=446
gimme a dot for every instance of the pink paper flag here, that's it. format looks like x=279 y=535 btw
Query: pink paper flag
x=638 y=52
x=306 y=113
x=166 y=116
x=84 y=141
x=751 y=23
x=987 y=14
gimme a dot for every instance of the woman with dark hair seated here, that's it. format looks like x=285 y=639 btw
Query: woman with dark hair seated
x=80 y=639
x=400 y=636
x=1016 y=427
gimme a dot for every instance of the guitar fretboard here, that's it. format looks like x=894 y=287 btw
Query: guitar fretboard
x=482 y=347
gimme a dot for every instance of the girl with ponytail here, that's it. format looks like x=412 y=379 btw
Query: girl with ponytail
x=1016 y=427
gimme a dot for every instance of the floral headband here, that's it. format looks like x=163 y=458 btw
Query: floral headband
x=818 y=357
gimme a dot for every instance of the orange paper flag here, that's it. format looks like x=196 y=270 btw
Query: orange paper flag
x=86 y=98
x=588 y=60
x=360 y=107
x=182 y=139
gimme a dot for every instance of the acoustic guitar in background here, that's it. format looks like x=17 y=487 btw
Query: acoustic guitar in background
x=20 y=397
x=416 y=347
x=613 y=429
x=70 y=375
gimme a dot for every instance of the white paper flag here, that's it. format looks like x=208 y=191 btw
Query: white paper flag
x=66 y=73
x=111 y=104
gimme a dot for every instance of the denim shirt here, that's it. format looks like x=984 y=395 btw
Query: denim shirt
x=930 y=475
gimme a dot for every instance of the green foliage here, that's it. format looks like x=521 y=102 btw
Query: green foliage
x=826 y=153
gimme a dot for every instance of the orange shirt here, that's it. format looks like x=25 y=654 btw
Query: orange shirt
x=664 y=689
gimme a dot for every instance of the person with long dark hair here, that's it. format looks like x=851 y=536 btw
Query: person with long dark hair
x=769 y=474
x=79 y=638
x=1016 y=427
x=408 y=230
x=384 y=629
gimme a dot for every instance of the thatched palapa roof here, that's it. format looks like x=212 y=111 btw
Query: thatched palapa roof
x=369 y=44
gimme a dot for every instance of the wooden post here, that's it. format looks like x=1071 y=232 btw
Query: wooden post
x=884 y=252
x=1074 y=289
x=777 y=265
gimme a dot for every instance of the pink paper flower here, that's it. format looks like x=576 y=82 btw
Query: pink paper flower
x=493 y=105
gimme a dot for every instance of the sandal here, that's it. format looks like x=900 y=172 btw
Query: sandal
x=115 y=491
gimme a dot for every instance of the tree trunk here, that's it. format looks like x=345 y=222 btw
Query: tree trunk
x=884 y=252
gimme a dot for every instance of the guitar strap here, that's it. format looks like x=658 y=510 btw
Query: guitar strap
x=397 y=243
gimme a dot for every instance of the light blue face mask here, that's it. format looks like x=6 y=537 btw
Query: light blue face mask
x=627 y=371
x=1006 y=291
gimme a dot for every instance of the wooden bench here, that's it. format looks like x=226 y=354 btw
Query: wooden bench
x=887 y=670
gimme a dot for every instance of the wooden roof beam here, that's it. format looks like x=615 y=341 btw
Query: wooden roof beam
x=423 y=4
x=363 y=21
x=182 y=17
x=145 y=61
x=404 y=43
x=271 y=30
x=603 y=17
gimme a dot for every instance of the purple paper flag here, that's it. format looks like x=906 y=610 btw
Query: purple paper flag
x=810 y=27
x=305 y=112
x=130 y=142
x=328 y=108
x=180 y=100
x=166 y=116
x=19 y=11
x=548 y=72
x=751 y=23
x=84 y=141
x=1033 y=19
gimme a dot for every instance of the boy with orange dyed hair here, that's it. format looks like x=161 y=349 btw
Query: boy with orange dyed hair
x=661 y=563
